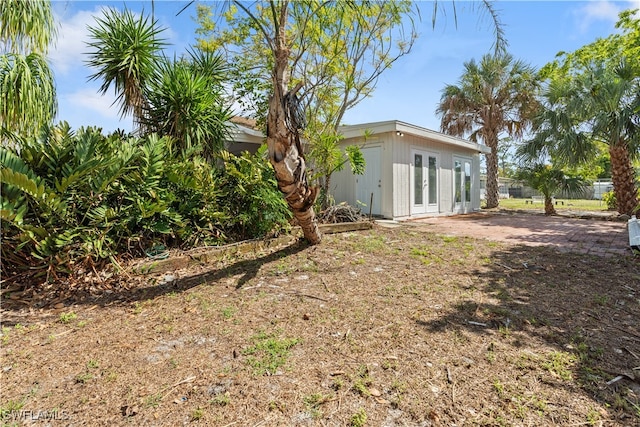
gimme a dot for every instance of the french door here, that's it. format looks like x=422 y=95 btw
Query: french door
x=462 y=184
x=424 y=182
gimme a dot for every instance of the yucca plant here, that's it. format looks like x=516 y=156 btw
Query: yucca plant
x=185 y=101
x=125 y=53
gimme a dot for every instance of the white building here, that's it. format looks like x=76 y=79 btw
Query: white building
x=411 y=172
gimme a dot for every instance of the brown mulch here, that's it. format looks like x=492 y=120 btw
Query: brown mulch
x=398 y=326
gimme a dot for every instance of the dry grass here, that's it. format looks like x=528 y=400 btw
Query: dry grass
x=393 y=327
x=562 y=205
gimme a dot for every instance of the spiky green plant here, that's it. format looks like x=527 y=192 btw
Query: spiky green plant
x=27 y=90
x=185 y=101
x=550 y=182
x=125 y=53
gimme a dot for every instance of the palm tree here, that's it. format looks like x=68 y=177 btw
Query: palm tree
x=493 y=97
x=27 y=25
x=27 y=89
x=126 y=54
x=551 y=181
x=598 y=104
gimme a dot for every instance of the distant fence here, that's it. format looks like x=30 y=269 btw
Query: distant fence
x=509 y=188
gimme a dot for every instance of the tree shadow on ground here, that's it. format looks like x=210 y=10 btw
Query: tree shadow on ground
x=247 y=269
x=585 y=307
x=153 y=286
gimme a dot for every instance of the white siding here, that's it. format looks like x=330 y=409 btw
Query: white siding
x=396 y=170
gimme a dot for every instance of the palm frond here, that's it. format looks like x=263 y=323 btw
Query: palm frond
x=27 y=93
x=125 y=53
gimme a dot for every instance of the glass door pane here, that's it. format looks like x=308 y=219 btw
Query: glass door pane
x=467 y=182
x=433 y=181
x=417 y=179
x=457 y=185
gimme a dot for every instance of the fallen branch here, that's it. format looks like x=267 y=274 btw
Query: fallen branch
x=308 y=296
x=471 y=322
x=504 y=266
x=637 y=336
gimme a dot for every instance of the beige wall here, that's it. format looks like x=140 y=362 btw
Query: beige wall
x=396 y=170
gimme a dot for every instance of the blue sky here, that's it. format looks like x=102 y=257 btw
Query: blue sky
x=410 y=91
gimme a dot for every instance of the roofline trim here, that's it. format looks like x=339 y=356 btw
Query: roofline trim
x=353 y=131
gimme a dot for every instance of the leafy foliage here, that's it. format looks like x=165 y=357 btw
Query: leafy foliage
x=125 y=53
x=494 y=96
x=592 y=96
x=609 y=199
x=338 y=72
x=27 y=26
x=27 y=89
x=254 y=204
x=551 y=182
x=73 y=197
x=185 y=101
x=327 y=158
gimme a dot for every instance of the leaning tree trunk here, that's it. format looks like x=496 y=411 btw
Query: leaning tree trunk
x=283 y=141
x=623 y=177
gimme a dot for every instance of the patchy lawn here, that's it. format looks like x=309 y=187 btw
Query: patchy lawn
x=384 y=327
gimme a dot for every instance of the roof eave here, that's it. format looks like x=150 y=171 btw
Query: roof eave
x=354 y=131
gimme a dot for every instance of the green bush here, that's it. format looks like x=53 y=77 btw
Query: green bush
x=609 y=199
x=251 y=196
x=70 y=196
x=80 y=197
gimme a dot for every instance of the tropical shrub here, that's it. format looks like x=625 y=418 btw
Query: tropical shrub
x=251 y=195
x=551 y=181
x=186 y=101
x=609 y=199
x=72 y=198
x=326 y=158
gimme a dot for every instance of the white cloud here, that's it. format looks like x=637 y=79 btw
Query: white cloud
x=92 y=100
x=86 y=107
x=71 y=48
x=602 y=10
x=595 y=11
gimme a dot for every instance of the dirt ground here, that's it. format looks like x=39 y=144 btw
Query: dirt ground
x=400 y=326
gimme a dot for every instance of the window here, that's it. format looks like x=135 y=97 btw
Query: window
x=467 y=182
x=417 y=179
x=458 y=181
x=433 y=181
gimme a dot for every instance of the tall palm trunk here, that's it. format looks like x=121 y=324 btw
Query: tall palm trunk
x=549 y=209
x=283 y=141
x=623 y=177
x=491 y=191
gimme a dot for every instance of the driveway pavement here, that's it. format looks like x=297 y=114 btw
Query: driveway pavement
x=596 y=236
